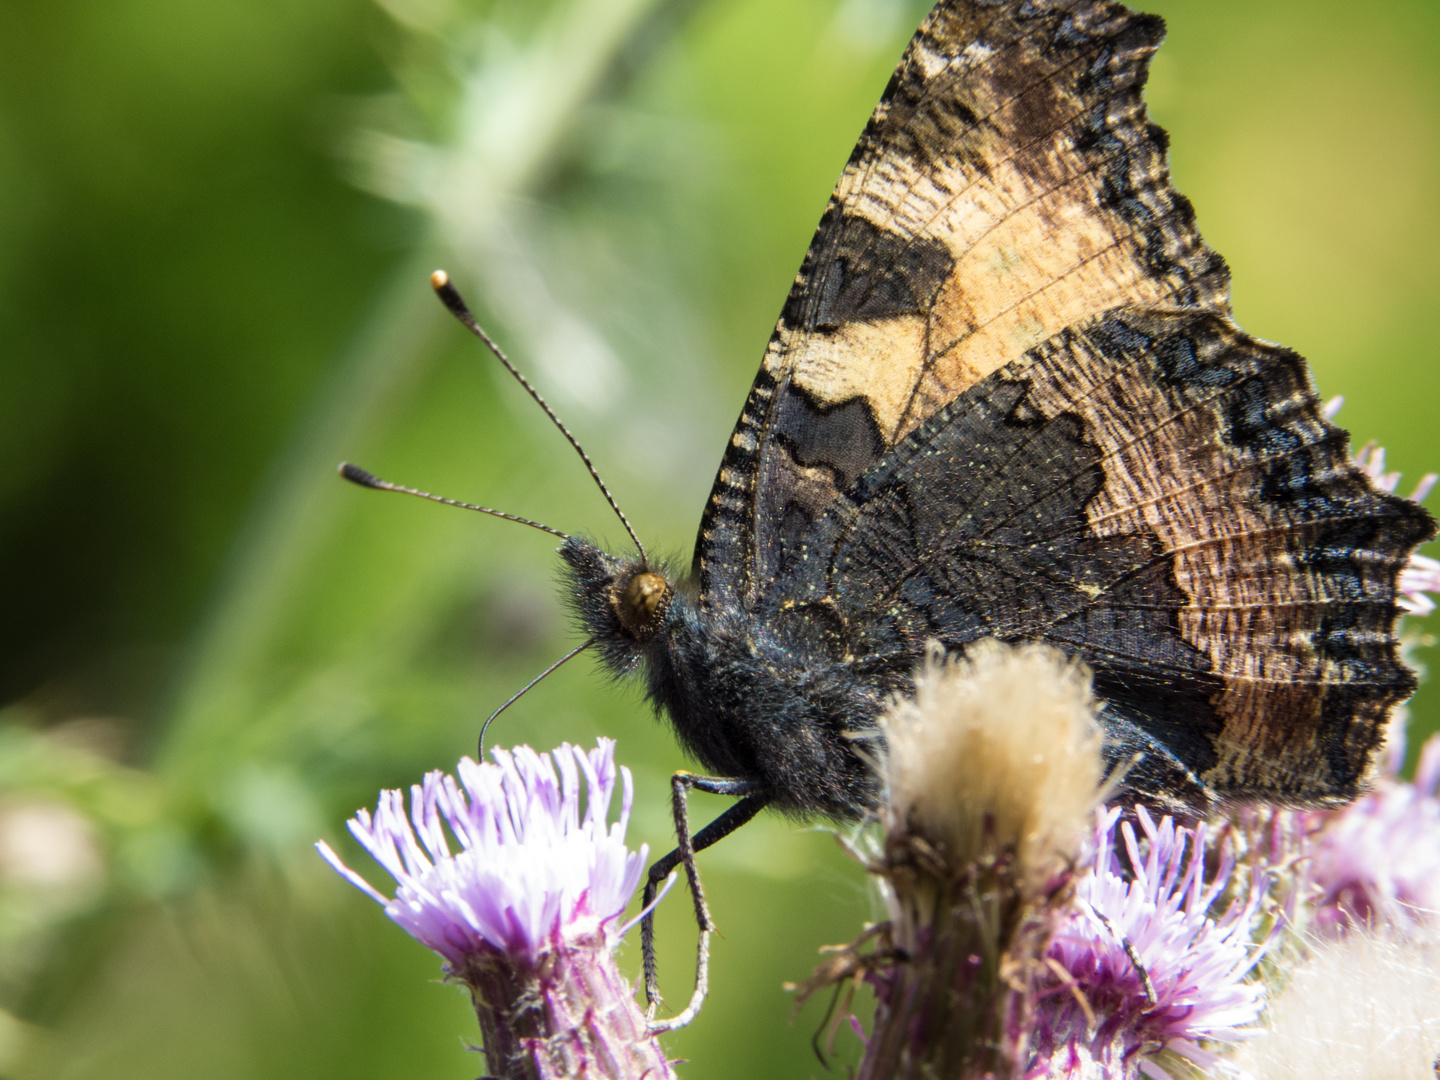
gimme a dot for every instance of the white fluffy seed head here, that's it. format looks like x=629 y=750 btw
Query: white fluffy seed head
x=1362 y=1007
x=999 y=751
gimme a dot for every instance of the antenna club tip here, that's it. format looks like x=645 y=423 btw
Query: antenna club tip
x=450 y=296
x=357 y=475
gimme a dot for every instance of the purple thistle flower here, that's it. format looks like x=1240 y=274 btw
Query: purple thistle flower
x=526 y=911
x=1155 y=969
x=1377 y=861
x=1371 y=459
x=529 y=871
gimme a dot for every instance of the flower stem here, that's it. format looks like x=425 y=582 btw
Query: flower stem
x=568 y=1013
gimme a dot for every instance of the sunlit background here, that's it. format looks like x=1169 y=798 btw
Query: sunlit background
x=216 y=223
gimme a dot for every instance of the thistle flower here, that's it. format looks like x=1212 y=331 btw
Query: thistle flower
x=998 y=751
x=1360 y=995
x=1376 y=862
x=991 y=774
x=526 y=913
x=1420 y=576
x=1150 y=971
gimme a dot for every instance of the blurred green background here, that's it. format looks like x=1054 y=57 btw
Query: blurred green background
x=216 y=221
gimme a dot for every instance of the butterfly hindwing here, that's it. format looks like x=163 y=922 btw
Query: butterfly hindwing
x=1158 y=493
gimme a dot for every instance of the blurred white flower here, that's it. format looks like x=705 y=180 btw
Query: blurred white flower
x=48 y=846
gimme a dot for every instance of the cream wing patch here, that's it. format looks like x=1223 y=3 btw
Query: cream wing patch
x=877 y=361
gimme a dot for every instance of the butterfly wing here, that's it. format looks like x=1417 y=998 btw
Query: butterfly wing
x=1005 y=399
x=1008 y=185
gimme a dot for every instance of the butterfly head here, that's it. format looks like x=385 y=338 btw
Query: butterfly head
x=621 y=603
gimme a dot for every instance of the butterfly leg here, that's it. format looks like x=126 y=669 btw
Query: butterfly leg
x=752 y=801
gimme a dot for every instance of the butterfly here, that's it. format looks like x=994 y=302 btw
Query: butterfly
x=1006 y=399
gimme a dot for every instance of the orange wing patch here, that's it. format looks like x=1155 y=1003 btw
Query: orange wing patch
x=879 y=362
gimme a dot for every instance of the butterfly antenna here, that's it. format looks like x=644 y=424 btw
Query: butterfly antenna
x=357 y=475
x=525 y=690
x=451 y=298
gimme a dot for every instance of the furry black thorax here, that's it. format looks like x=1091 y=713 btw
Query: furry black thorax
x=744 y=702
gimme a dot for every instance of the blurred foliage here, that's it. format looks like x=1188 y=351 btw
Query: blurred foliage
x=215 y=225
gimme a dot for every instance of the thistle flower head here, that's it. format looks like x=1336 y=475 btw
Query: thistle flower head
x=991 y=773
x=1371 y=459
x=531 y=869
x=1376 y=862
x=1420 y=576
x=1149 y=964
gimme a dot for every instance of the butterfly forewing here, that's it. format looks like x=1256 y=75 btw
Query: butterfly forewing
x=1008 y=185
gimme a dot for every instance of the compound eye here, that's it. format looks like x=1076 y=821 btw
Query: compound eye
x=642 y=604
x=644 y=595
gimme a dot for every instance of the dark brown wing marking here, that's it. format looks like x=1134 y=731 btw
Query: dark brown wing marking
x=1008 y=185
